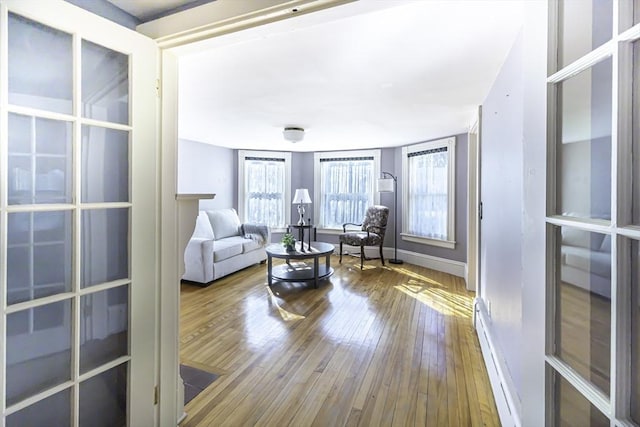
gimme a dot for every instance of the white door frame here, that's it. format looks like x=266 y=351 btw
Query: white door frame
x=473 y=204
x=173 y=34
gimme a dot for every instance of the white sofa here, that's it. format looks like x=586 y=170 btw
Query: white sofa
x=220 y=245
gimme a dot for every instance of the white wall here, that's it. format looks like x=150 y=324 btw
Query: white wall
x=205 y=168
x=513 y=229
x=501 y=195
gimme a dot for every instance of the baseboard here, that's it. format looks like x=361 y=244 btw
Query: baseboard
x=455 y=268
x=182 y=418
x=506 y=402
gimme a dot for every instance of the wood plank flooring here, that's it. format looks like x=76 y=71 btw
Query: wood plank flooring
x=388 y=345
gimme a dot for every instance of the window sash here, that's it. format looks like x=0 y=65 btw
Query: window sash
x=429 y=193
x=263 y=187
x=264 y=192
x=345 y=187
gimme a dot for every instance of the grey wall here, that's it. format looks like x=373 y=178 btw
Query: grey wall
x=459 y=253
x=107 y=10
x=302 y=177
x=197 y=173
x=501 y=195
x=205 y=168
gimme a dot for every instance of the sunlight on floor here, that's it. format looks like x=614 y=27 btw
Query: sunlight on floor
x=286 y=315
x=420 y=277
x=440 y=300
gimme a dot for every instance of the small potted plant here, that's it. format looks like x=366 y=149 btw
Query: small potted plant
x=288 y=241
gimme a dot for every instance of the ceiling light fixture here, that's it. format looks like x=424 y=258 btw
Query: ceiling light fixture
x=293 y=134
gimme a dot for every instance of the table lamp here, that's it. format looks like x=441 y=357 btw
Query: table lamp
x=301 y=197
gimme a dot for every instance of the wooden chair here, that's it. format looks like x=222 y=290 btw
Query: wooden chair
x=371 y=233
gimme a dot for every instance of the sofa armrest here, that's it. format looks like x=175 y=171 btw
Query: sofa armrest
x=198 y=260
x=259 y=232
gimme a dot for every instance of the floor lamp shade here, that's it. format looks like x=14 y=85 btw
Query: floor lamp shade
x=385 y=185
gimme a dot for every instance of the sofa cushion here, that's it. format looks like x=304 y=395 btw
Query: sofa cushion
x=575 y=237
x=225 y=223
x=203 y=227
x=590 y=261
x=227 y=248
x=248 y=245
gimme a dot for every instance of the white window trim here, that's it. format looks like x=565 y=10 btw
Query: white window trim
x=450 y=143
x=317 y=182
x=242 y=155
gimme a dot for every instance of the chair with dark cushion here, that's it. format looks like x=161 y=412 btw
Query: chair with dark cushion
x=371 y=233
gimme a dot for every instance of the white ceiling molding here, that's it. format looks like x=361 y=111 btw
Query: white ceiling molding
x=226 y=16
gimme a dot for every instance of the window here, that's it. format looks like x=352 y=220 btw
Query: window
x=264 y=188
x=344 y=186
x=429 y=192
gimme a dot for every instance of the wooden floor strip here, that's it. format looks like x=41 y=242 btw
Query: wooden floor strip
x=390 y=345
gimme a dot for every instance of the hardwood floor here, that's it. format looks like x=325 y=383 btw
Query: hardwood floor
x=388 y=345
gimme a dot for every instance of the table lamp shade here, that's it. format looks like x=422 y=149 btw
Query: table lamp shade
x=385 y=185
x=301 y=196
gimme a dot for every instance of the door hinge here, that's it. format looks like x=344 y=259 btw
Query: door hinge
x=156 y=395
x=480 y=210
x=158 y=88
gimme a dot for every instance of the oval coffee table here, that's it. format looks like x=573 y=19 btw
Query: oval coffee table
x=299 y=272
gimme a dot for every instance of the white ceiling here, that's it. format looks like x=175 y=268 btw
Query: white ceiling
x=373 y=73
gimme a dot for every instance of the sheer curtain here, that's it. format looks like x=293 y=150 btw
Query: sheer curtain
x=264 y=191
x=346 y=190
x=428 y=193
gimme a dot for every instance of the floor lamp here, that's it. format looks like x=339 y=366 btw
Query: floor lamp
x=389 y=184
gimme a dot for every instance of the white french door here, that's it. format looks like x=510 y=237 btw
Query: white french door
x=78 y=245
x=593 y=214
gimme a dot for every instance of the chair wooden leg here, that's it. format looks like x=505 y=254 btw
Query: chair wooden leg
x=361 y=257
x=381 y=256
x=340 y=252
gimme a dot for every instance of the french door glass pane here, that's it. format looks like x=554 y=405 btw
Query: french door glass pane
x=105 y=165
x=55 y=410
x=105 y=245
x=103 y=399
x=38 y=350
x=584 y=25
x=105 y=84
x=584 y=151
x=636 y=130
x=572 y=409
x=40 y=66
x=583 y=304
x=39 y=160
x=635 y=331
x=104 y=327
x=38 y=255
